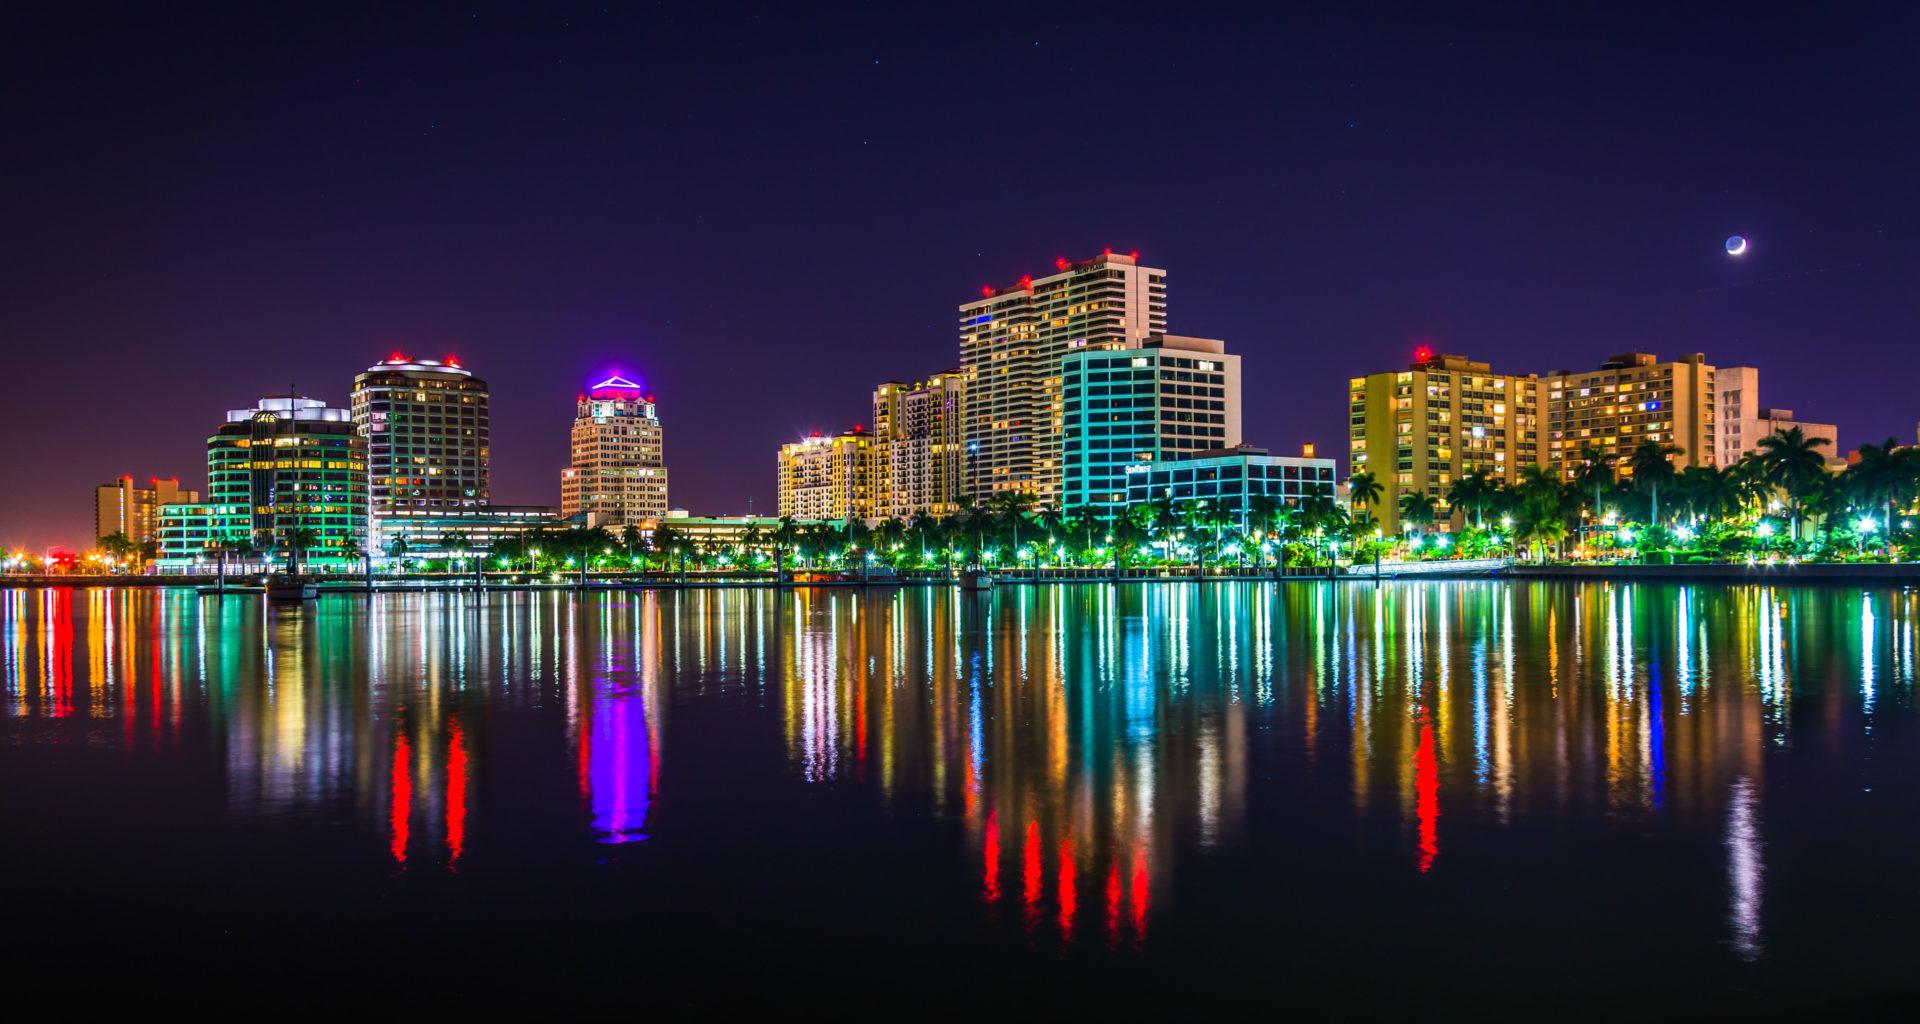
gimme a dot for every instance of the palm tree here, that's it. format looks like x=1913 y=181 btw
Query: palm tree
x=1363 y=490
x=1652 y=465
x=1417 y=509
x=1595 y=473
x=1472 y=490
x=1791 y=461
x=298 y=539
x=784 y=537
x=1886 y=473
x=1710 y=492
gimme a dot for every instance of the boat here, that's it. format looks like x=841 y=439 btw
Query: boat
x=976 y=580
x=288 y=587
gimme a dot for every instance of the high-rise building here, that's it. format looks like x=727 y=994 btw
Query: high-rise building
x=828 y=477
x=1630 y=398
x=287 y=470
x=920 y=433
x=134 y=512
x=1123 y=408
x=1740 y=421
x=618 y=476
x=425 y=425
x=1445 y=416
x=1012 y=341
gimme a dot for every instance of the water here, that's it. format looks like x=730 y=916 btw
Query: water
x=1078 y=798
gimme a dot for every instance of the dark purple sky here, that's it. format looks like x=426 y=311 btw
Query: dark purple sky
x=764 y=212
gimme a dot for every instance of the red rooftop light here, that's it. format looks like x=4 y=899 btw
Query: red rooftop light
x=453 y=360
x=1422 y=354
x=986 y=291
x=1060 y=263
x=397 y=357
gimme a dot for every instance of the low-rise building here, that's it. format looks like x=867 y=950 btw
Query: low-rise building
x=1740 y=421
x=1231 y=476
x=426 y=533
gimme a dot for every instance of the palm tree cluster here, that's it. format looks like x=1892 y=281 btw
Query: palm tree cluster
x=1781 y=497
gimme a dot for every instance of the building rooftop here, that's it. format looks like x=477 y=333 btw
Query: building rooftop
x=400 y=362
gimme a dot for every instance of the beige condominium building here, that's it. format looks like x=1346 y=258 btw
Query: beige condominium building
x=824 y=477
x=1740 y=421
x=618 y=472
x=919 y=431
x=1631 y=398
x=134 y=512
x=1012 y=341
x=1418 y=430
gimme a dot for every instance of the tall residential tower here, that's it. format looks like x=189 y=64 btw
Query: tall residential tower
x=1012 y=341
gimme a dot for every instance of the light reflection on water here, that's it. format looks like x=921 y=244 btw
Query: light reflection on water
x=1088 y=744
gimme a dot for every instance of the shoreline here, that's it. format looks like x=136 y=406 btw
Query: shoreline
x=1895 y=574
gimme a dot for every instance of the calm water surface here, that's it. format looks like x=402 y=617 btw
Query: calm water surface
x=1082 y=798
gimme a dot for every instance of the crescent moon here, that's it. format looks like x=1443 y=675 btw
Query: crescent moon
x=1736 y=245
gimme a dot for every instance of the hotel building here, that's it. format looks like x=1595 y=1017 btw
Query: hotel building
x=289 y=463
x=828 y=477
x=1012 y=341
x=1631 y=398
x=1417 y=430
x=425 y=426
x=1232 y=476
x=1125 y=408
x=134 y=512
x=618 y=476
x=920 y=433
x=1740 y=421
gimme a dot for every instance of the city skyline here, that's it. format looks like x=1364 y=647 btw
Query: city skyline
x=1390 y=189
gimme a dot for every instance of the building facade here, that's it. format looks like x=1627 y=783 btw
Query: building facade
x=618 y=473
x=1740 y=421
x=920 y=433
x=1418 y=430
x=828 y=477
x=289 y=470
x=418 y=533
x=134 y=512
x=1012 y=341
x=1631 y=398
x=1231 y=476
x=1122 y=408
x=425 y=424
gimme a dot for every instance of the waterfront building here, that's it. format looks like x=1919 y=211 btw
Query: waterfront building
x=1419 y=429
x=1631 y=398
x=1012 y=341
x=1740 y=421
x=824 y=477
x=1231 y=476
x=134 y=512
x=1122 y=408
x=286 y=468
x=419 y=533
x=425 y=424
x=618 y=473
x=192 y=536
x=920 y=432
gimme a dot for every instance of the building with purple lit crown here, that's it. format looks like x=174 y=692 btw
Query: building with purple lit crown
x=618 y=476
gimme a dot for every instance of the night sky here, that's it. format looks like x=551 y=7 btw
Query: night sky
x=763 y=212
